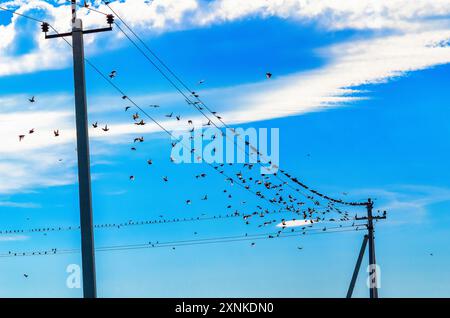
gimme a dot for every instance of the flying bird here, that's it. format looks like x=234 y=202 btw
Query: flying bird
x=268 y=75
x=95 y=125
x=112 y=74
x=56 y=133
x=32 y=99
x=105 y=128
x=127 y=108
x=21 y=137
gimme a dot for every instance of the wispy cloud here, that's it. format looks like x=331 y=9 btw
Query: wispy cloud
x=406 y=203
x=23 y=205
x=10 y=238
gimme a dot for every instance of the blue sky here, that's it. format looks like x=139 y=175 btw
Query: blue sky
x=358 y=93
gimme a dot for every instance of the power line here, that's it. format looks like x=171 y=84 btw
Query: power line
x=192 y=242
x=162 y=221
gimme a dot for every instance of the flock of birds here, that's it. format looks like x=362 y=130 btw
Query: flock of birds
x=277 y=192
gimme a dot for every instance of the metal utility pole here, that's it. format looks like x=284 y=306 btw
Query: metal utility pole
x=84 y=174
x=370 y=238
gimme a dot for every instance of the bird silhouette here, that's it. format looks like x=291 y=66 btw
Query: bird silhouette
x=31 y=131
x=127 y=108
x=56 y=132
x=105 y=128
x=21 y=137
x=268 y=75
x=95 y=125
x=32 y=99
x=112 y=74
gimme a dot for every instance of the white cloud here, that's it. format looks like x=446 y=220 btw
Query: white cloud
x=295 y=223
x=168 y=15
x=22 y=205
x=10 y=238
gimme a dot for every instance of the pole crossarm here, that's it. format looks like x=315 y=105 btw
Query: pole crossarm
x=61 y=35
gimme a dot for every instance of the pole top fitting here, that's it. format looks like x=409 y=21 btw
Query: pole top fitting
x=77 y=24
